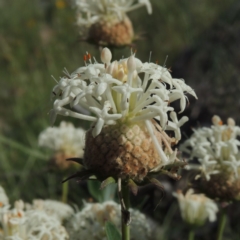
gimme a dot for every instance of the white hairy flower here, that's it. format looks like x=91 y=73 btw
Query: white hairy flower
x=105 y=22
x=34 y=224
x=124 y=92
x=196 y=208
x=65 y=138
x=13 y=221
x=61 y=211
x=42 y=226
x=215 y=147
x=90 y=222
x=91 y=11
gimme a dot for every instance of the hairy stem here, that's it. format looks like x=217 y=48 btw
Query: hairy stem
x=191 y=234
x=123 y=192
x=65 y=192
x=222 y=224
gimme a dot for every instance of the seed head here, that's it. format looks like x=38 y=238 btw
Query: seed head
x=125 y=150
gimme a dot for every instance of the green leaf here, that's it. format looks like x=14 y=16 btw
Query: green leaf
x=106 y=182
x=29 y=151
x=94 y=189
x=112 y=232
x=109 y=192
x=106 y=194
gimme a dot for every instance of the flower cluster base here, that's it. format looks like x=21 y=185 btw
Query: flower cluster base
x=125 y=150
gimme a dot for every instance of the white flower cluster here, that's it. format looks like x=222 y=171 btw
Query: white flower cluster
x=90 y=222
x=54 y=208
x=216 y=148
x=90 y=11
x=53 y=220
x=122 y=91
x=196 y=208
x=42 y=220
x=65 y=138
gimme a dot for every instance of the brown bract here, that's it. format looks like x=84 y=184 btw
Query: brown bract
x=124 y=151
x=222 y=187
x=111 y=31
x=59 y=161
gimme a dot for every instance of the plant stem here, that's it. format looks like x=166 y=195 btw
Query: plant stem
x=125 y=227
x=222 y=224
x=123 y=193
x=191 y=234
x=65 y=192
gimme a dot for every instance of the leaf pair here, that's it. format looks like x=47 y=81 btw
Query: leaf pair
x=112 y=232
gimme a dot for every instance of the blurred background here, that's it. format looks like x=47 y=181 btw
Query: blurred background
x=39 y=38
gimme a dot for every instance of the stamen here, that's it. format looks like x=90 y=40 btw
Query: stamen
x=150 y=56
x=54 y=78
x=89 y=57
x=85 y=59
x=164 y=64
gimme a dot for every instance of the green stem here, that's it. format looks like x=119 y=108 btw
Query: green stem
x=125 y=227
x=222 y=224
x=191 y=234
x=65 y=192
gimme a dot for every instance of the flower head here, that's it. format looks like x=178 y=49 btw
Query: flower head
x=13 y=221
x=66 y=141
x=35 y=222
x=217 y=150
x=89 y=223
x=196 y=208
x=61 y=211
x=105 y=22
x=126 y=99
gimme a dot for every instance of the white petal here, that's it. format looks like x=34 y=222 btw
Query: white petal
x=101 y=88
x=98 y=127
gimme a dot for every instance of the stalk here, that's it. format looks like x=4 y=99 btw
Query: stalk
x=125 y=226
x=191 y=234
x=222 y=224
x=123 y=192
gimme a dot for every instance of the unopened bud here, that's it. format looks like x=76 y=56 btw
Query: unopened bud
x=131 y=64
x=231 y=122
x=216 y=120
x=106 y=55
